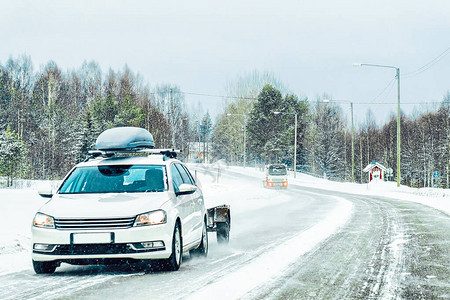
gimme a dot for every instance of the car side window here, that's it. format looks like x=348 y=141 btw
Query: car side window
x=184 y=174
x=177 y=180
x=189 y=174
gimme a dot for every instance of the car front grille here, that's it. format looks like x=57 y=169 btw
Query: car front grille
x=84 y=224
x=90 y=249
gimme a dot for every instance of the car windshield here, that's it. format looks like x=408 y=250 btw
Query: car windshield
x=115 y=179
x=277 y=170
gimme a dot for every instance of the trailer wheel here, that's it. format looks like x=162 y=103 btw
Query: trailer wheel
x=223 y=232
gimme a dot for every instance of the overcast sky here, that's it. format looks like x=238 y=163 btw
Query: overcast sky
x=202 y=45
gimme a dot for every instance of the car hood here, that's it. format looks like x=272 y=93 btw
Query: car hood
x=103 y=205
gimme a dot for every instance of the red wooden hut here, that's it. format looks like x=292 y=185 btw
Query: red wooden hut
x=376 y=171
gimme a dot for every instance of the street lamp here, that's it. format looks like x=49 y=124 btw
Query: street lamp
x=295 y=139
x=245 y=129
x=398 y=110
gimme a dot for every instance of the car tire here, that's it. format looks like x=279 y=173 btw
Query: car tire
x=202 y=250
x=44 y=267
x=173 y=263
x=223 y=232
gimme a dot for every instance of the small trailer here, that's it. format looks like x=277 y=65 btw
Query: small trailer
x=219 y=221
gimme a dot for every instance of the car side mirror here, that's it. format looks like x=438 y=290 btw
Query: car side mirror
x=45 y=193
x=186 y=189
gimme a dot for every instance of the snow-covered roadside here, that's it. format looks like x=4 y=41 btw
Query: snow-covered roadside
x=17 y=211
x=433 y=197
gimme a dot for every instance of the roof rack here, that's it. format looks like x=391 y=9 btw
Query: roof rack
x=167 y=153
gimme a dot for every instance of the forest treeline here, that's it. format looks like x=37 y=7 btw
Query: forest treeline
x=324 y=138
x=50 y=118
x=55 y=116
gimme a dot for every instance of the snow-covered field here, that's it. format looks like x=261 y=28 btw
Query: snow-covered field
x=18 y=207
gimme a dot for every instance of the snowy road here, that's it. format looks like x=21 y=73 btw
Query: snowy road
x=282 y=246
x=389 y=249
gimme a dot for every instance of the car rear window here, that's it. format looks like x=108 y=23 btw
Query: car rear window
x=277 y=170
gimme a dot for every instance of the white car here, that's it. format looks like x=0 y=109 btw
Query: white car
x=112 y=209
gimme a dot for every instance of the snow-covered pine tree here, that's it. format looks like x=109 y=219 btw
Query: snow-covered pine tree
x=13 y=152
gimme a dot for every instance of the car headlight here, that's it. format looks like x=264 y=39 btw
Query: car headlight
x=44 y=221
x=151 y=218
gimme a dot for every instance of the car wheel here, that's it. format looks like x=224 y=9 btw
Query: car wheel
x=174 y=261
x=44 y=267
x=223 y=232
x=202 y=249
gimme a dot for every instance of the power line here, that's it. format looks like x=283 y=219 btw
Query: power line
x=428 y=65
x=407 y=75
x=219 y=96
x=333 y=101
x=388 y=103
x=389 y=85
x=204 y=95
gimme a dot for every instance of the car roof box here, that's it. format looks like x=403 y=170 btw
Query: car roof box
x=124 y=139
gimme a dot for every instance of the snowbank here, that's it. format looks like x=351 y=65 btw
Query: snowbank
x=18 y=207
x=29 y=184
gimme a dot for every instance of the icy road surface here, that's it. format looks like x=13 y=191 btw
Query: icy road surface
x=301 y=243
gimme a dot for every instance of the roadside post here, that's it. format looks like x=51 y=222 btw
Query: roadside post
x=435 y=177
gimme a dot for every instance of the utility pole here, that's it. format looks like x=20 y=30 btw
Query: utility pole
x=361 y=158
x=199 y=134
x=398 y=127
x=245 y=141
x=172 y=113
x=353 y=145
x=206 y=138
x=295 y=148
x=397 y=74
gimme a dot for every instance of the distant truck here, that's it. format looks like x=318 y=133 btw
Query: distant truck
x=275 y=176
